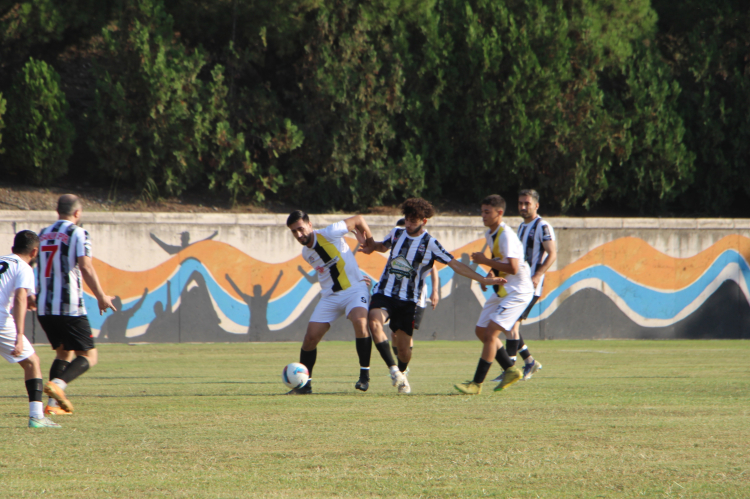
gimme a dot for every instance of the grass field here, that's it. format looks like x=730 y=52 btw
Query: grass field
x=602 y=419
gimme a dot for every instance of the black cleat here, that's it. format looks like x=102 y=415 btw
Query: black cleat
x=362 y=385
x=303 y=390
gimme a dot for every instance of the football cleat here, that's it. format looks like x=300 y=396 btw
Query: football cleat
x=512 y=374
x=404 y=387
x=469 y=388
x=530 y=369
x=397 y=378
x=55 y=411
x=362 y=385
x=42 y=422
x=57 y=393
x=499 y=379
x=302 y=390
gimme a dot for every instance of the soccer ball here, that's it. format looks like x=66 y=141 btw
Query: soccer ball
x=295 y=375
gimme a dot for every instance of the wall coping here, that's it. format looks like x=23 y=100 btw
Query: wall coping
x=271 y=220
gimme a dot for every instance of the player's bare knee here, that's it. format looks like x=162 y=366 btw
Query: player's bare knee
x=92 y=356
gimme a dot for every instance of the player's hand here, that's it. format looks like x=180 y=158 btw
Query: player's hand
x=535 y=279
x=30 y=302
x=105 y=302
x=367 y=279
x=368 y=246
x=479 y=257
x=18 y=349
x=493 y=281
x=434 y=299
x=484 y=288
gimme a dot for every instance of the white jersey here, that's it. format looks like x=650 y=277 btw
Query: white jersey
x=60 y=284
x=533 y=235
x=14 y=274
x=331 y=257
x=504 y=244
x=409 y=263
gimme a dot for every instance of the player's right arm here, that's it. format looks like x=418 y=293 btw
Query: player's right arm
x=508 y=268
x=464 y=270
x=358 y=225
x=19 y=316
x=92 y=281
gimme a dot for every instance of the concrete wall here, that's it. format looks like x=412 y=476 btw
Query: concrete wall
x=224 y=277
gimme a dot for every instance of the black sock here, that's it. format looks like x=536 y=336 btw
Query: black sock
x=523 y=350
x=482 y=369
x=307 y=359
x=364 y=350
x=502 y=358
x=402 y=365
x=364 y=374
x=79 y=366
x=395 y=350
x=385 y=352
x=58 y=367
x=34 y=389
x=512 y=347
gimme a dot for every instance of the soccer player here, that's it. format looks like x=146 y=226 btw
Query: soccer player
x=16 y=287
x=413 y=252
x=540 y=252
x=343 y=289
x=64 y=257
x=505 y=306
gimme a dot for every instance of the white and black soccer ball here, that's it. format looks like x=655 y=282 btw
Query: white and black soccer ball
x=295 y=375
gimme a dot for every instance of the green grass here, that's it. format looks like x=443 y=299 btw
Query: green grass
x=602 y=419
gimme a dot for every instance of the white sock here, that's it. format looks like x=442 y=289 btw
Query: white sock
x=36 y=410
x=394 y=369
x=52 y=402
x=62 y=384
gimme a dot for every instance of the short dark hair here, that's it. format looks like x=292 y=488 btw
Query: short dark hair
x=494 y=200
x=297 y=215
x=529 y=192
x=417 y=208
x=401 y=222
x=24 y=242
x=67 y=204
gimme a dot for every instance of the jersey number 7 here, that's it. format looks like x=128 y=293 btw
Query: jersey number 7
x=52 y=248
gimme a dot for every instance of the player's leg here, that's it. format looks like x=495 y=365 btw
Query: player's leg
x=363 y=343
x=76 y=336
x=376 y=318
x=531 y=365
x=63 y=358
x=32 y=375
x=489 y=349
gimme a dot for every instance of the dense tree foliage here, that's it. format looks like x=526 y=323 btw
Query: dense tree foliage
x=345 y=104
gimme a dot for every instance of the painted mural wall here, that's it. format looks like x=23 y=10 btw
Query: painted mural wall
x=224 y=278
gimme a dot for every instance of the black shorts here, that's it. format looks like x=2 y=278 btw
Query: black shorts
x=400 y=312
x=526 y=312
x=418 y=316
x=73 y=333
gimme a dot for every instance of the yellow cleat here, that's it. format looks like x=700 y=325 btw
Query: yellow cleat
x=469 y=388
x=512 y=374
x=55 y=411
x=58 y=394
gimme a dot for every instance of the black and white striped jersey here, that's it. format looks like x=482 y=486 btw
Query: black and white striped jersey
x=533 y=235
x=60 y=285
x=409 y=264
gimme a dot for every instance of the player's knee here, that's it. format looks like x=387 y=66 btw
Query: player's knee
x=480 y=332
x=92 y=356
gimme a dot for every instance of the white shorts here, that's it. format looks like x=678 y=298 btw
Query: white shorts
x=8 y=343
x=504 y=311
x=333 y=306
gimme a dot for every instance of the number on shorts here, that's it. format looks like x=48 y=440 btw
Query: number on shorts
x=52 y=249
x=364 y=300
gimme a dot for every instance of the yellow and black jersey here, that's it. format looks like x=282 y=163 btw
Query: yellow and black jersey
x=331 y=257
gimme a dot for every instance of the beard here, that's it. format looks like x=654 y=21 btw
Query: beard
x=415 y=231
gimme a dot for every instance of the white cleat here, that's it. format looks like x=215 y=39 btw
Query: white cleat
x=398 y=378
x=404 y=387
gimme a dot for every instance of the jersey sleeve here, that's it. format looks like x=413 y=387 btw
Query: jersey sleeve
x=388 y=241
x=25 y=279
x=83 y=243
x=507 y=247
x=547 y=232
x=439 y=253
x=335 y=231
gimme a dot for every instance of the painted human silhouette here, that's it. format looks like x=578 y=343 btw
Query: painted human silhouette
x=258 y=305
x=184 y=242
x=115 y=326
x=166 y=325
x=312 y=279
x=198 y=318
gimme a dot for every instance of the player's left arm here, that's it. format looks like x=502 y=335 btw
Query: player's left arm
x=550 y=247
x=435 y=297
x=358 y=225
x=19 y=316
x=464 y=270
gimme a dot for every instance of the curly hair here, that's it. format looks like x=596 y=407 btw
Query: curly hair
x=417 y=208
